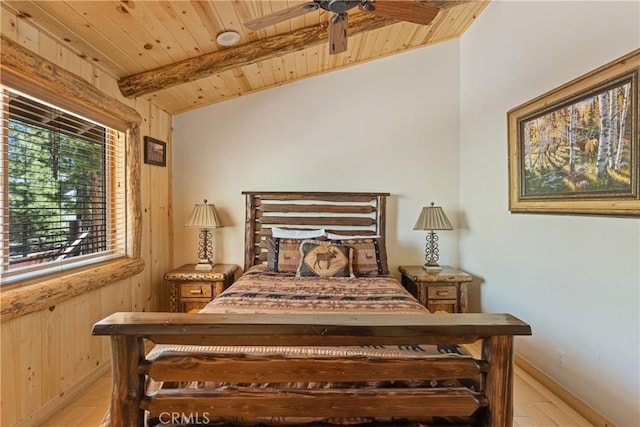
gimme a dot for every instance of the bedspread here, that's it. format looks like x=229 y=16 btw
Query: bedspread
x=259 y=291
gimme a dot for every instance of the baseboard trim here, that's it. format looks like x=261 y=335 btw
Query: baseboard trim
x=40 y=416
x=586 y=411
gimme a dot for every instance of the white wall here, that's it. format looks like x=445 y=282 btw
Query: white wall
x=575 y=279
x=389 y=125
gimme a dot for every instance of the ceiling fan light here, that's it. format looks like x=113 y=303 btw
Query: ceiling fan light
x=337 y=6
x=228 y=38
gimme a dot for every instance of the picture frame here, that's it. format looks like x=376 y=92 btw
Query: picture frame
x=574 y=149
x=155 y=151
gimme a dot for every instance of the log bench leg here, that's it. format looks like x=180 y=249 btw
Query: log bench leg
x=128 y=385
x=498 y=351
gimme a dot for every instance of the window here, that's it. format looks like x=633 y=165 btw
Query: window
x=62 y=198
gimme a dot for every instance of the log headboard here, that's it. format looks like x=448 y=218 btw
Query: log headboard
x=337 y=212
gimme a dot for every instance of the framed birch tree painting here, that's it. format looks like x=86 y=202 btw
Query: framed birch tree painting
x=575 y=149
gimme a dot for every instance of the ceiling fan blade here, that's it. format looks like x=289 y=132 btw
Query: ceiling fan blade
x=411 y=11
x=338 y=33
x=279 y=16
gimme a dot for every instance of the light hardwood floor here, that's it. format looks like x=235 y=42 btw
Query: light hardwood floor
x=534 y=406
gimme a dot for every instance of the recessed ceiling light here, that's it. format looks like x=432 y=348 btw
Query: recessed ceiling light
x=228 y=38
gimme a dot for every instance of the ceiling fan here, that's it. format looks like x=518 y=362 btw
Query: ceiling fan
x=415 y=11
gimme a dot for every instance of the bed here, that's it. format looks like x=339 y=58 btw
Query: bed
x=333 y=342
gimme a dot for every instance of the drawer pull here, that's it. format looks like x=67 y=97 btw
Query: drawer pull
x=442 y=293
x=196 y=291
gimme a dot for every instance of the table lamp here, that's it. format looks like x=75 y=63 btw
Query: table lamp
x=204 y=217
x=432 y=218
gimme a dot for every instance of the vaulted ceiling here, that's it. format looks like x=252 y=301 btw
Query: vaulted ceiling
x=167 y=51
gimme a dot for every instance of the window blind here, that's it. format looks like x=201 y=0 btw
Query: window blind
x=62 y=195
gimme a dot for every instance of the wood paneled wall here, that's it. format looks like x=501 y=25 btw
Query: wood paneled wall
x=49 y=356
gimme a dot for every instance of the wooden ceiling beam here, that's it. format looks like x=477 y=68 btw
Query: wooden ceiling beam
x=203 y=66
x=26 y=71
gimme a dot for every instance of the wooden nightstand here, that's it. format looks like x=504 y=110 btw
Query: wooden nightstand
x=444 y=290
x=191 y=290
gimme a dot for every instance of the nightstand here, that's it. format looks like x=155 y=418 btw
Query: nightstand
x=190 y=289
x=444 y=290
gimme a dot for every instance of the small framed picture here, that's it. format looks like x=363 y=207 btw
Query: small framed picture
x=155 y=151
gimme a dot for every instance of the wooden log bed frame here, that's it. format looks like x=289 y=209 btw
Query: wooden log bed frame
x=489 y=403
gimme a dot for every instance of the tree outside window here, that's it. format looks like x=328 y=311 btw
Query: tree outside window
x=59 y=178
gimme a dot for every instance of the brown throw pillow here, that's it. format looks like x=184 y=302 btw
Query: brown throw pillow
x=283 y=255
x=369 y=256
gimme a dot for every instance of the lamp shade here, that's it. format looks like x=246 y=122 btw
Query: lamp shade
x=432 y=218
x=204 y=216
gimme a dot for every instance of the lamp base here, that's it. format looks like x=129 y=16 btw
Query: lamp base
x=204 y=266
x=432 y=268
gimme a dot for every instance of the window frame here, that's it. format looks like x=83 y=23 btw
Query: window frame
x=113 y=148
x=27 y=72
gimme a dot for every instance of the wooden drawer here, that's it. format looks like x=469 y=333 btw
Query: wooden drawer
x=443 y=292
x=193 y=305
x=195 y=290
x=450 y=306
x=191 y=289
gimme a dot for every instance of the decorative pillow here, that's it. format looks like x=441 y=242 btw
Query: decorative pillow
x=289 y=233
x=324 y=259
x=369 y=256
x=283 y=255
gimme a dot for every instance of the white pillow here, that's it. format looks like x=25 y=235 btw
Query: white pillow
x=296 y=234
x=333 y=236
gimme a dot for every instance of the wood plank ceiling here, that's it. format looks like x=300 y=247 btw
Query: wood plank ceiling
x=171 y=45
